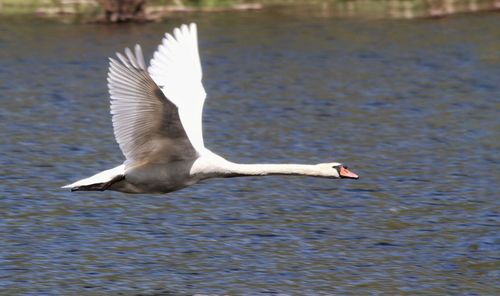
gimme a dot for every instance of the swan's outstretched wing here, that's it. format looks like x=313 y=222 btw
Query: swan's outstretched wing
x=146 y=124
x=176 y=68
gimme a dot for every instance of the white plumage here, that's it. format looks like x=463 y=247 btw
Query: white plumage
x=176 y=68
x=157 y=121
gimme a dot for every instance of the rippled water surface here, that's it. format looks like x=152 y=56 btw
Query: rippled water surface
x=411 y=106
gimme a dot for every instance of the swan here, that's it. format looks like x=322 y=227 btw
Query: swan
x=157 y=122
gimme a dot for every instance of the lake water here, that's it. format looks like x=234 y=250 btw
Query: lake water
x=413 y=107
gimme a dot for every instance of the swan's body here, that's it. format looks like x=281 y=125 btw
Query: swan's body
x=157 y=121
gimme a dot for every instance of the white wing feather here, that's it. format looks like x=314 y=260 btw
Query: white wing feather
x=147 y=125
x=176 y=68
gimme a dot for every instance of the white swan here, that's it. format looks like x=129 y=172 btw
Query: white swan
x=157 y=121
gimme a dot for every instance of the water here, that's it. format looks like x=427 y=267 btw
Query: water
x=411 y=106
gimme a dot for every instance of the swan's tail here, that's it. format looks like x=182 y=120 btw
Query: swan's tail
x=100 y=181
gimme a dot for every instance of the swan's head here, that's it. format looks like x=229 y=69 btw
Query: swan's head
x=336 y=170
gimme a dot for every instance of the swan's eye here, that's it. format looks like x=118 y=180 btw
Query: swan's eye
x=337 y=167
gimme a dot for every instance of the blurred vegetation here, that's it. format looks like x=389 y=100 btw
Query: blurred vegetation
x=156 y=9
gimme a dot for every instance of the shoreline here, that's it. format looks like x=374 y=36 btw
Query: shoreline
x=90 y=11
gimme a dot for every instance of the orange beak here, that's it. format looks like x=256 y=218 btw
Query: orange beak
x=345 y=173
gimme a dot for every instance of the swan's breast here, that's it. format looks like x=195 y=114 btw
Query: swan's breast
x=160 y=178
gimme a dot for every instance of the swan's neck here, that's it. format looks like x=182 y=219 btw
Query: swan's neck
x=212 y=165
x=242 y=170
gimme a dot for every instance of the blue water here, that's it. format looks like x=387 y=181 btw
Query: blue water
x=413 y=107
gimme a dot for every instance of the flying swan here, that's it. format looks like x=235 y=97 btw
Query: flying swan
x=157 y=122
